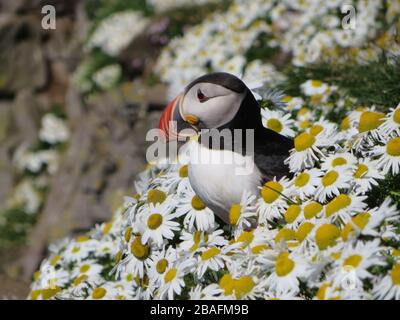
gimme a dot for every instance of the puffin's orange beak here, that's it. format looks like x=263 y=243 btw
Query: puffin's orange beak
x=173 y=126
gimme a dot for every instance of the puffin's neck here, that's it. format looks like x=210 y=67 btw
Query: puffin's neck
x=247 y=118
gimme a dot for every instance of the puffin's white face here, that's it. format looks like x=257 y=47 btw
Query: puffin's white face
x=210 y=105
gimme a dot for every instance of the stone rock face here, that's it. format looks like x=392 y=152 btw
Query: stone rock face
x=107 y=146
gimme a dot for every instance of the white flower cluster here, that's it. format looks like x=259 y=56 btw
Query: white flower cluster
x=117 y=31
x=53 y=130
x=310 y=30
x=165 y=5
x=310 y=236
x=108 y=76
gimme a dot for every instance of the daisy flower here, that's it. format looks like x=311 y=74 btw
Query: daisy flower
x=344 y=206
x=287 y=268
x=241 y=214
x=293 y=103
x=273 y=200
x=357 y=258
x=305 y=183
x=197 y=215
x=212 y=258
x=389 y=160
x=314 y=87
x=307 y=150
x=157 y=223
x=368 y=130
x=333 y=181
x=194 y=241
x=104 y=292
x=159 y=263
x=391 y=124
x=89 y=270
x=242 y=286
x=276 y=121
x=254 y=241
x=341 y=159
x=172 y=282
x=366 y=175
x=137 y=258
x=211 y=292
x=388 y=287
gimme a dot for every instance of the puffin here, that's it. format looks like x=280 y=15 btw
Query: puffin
x=233 y=152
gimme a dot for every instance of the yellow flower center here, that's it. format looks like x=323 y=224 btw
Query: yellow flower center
x=285 y=234
x=128 y=234
x=170 y=275
x=292 y=213
x=312 y=209
x=361 y=171
x=118 y=256
x=210 y=253
x=243 y=285
x=340 y=202
x=303 y=111
x=302 y=179
x=303 y=230
x=353 y=261
x=326 y=236
x=107 y=227
x=99 y=293
x=239 y=286
x=370 y=120
x=395 y=274
x=271 y=191
x=161 y=266
x=234 y=214
x=246 y=237
x=284 y=265
x=197 y=203
x=345 y=123
x=393 y=147
x=76 y=249
x=227 y=283
x=275 y=125
x=316 y=83
x=259 y=248
x=339 y=161
x=156 y=196
x=84 y=268
x=359 y=220
x=321 y=291
x=50 y=292
x=287 y=99
x=329 y=178
x=54 y=260
x=304 y=141
x=154 y=221
x=304 y=124
x=80 y=279
x=82 y=239
x=396 y=116
x=316 y=129
x=140 y=251
x=183 y=171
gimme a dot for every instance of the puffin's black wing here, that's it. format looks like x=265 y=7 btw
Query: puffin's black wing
x=270 y=151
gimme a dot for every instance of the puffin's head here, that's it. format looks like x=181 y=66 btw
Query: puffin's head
x=209 y=102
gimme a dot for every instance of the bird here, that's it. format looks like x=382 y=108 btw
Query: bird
x=220 y=169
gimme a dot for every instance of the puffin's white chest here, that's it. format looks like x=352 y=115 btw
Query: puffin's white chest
x=219 y=177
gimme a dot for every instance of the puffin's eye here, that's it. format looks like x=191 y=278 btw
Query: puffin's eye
x=200 y=95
